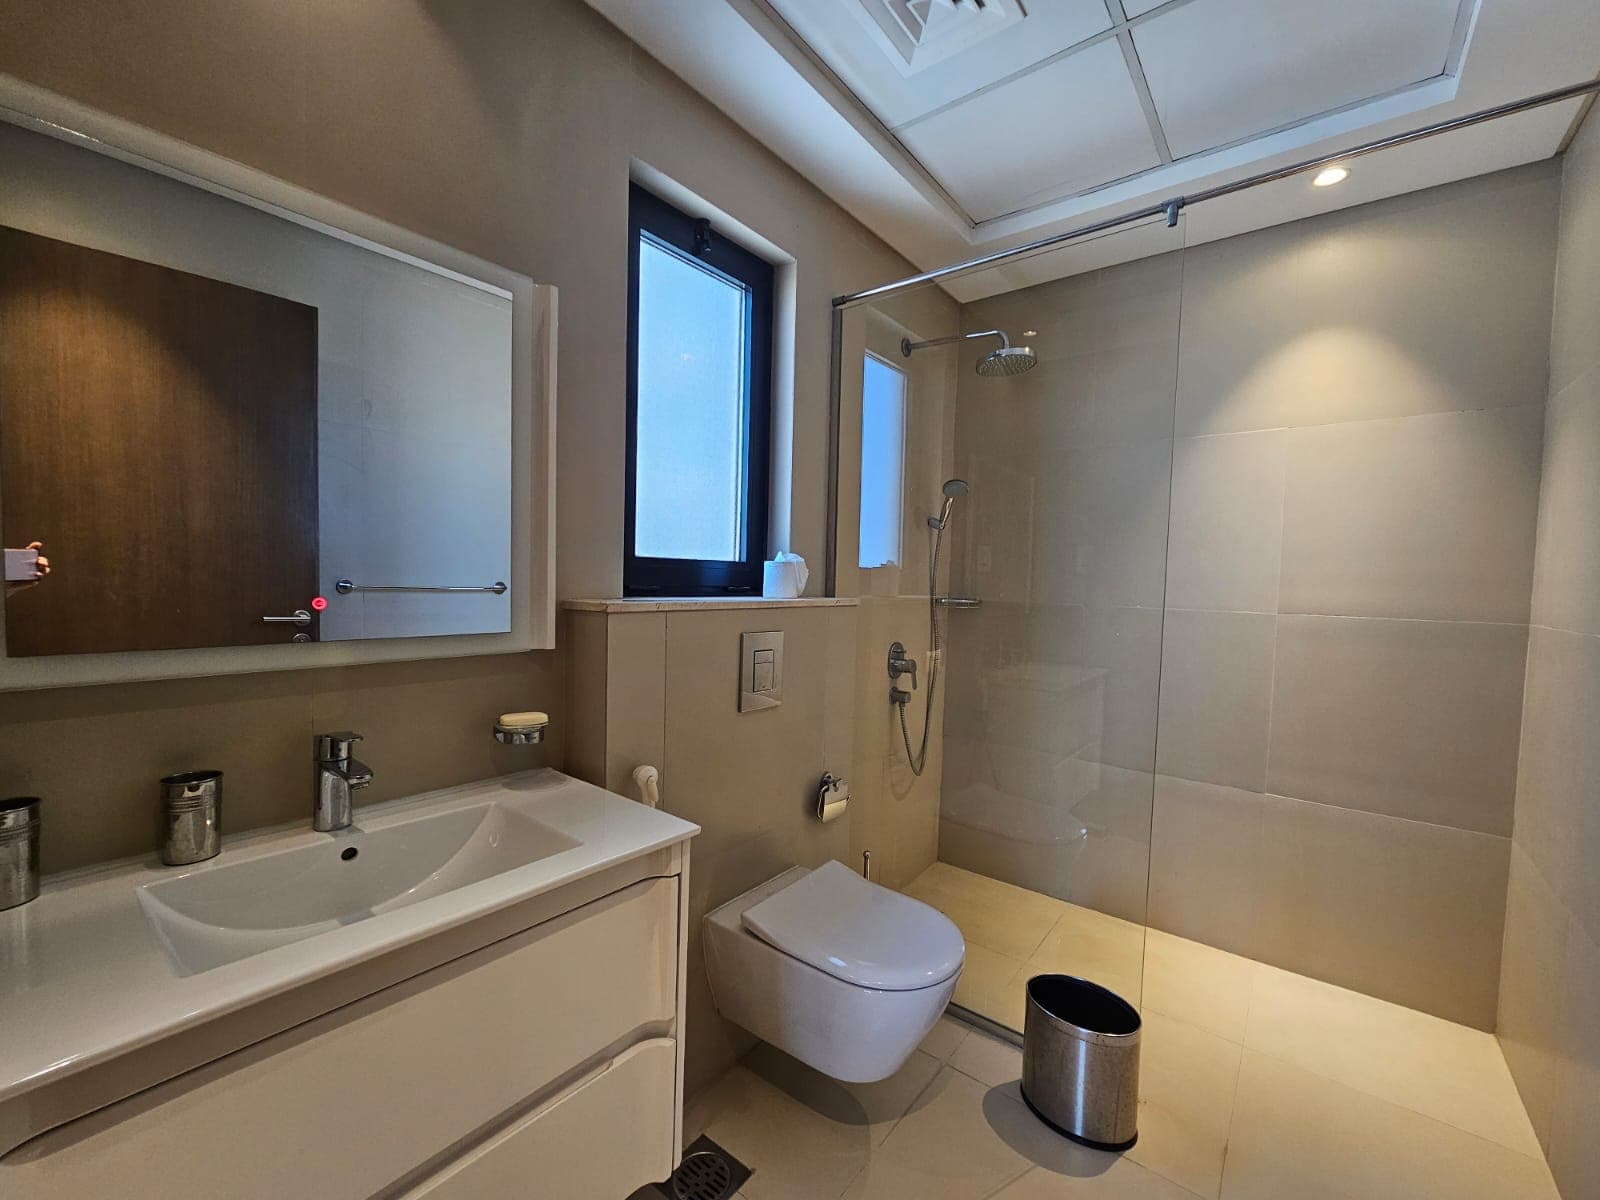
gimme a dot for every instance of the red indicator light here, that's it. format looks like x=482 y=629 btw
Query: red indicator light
x=319 y=603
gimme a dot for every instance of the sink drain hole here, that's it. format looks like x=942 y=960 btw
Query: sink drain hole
x=348 y=853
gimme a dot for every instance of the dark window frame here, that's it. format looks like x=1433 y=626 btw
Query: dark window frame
x=694 y=239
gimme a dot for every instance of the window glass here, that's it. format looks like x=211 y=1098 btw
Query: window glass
x=689 y=499
x=883 y=440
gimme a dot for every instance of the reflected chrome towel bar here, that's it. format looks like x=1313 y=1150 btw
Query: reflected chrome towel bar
x=345 y=586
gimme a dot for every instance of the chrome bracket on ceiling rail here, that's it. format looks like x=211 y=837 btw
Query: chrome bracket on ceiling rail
x=1174 y=207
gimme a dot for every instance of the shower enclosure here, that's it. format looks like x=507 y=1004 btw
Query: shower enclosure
x=1223 y=558
x=1025 y=580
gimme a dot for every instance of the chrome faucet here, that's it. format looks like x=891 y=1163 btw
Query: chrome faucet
x=338 y=774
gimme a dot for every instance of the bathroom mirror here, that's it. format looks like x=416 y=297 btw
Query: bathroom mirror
x=241 y=421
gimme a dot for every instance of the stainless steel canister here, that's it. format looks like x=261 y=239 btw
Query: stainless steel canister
x=1080 y=1061
x=191 y=817
x=19 y=850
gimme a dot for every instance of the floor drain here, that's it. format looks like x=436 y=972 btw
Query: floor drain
x=707 y=1172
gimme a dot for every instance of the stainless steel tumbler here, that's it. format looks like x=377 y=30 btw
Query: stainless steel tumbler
x=19 y=850
x=191 y=817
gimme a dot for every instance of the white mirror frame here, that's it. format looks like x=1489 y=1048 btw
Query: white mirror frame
x=533 y=382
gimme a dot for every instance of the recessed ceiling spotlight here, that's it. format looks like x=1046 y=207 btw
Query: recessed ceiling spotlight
x=1030 y=333
x=1329 y=176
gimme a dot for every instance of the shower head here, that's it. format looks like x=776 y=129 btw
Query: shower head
x=953 y=488
x=1006 y=361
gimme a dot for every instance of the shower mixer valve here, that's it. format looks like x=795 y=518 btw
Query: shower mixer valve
x=900 y=664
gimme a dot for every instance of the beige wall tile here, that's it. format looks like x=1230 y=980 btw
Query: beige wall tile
x=1574 y=1149
x=1216 y=697
x=1428 y=517
x=1401 y=910
x=95 y=754
x=1566 y=593
x=635 y=696
x=1361 y=314
x=1125 y=644
x=1227 y=521
x=1532 y=983
x=1416 y=719
x=1100 y=526
x=1558 y=821
x=748 y=779
x=1205 y=864
x=1550 y=985
x=583 y=637
x=1577 y=301
x=431 y=725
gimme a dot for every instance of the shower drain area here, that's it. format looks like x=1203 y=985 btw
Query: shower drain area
x=707 y=1172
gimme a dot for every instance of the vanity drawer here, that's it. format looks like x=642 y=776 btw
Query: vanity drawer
x=348 y=1103
x=600 y=1140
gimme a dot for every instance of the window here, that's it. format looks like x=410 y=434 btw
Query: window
x=699 y=406
x=883 y=441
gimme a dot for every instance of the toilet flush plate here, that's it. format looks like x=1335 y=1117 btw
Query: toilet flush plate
x=760 y=671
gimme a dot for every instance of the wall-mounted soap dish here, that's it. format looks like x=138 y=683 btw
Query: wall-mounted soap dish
x=521 y=729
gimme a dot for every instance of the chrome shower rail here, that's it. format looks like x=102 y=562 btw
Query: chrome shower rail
x=1172 y=207
x=345 y=586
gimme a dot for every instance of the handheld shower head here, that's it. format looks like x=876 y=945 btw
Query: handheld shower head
x=952 y=489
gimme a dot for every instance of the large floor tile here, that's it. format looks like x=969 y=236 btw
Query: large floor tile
x=1091 y=945
x=988 y=1060
x=1008 y=920
x=945 y=1038
x=1123 y=1179
x=874 y=1107
x=989 y=986
x=1435 y=1067
x=1298 y=1135
x=1197 y=983
x=1186 y=1096
x=796 y=1153
x=945 y=1150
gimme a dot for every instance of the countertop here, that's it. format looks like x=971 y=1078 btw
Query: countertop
x=83 y=978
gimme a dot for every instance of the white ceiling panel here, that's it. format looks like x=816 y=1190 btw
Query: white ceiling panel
x=1137 y=8
x=1223 y=70
x=1074 y=124
x=848 y=36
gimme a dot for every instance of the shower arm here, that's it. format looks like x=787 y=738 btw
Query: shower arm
x=908 y=347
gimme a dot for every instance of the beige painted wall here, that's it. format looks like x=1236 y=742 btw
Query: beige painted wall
x=662 y=687
x=505 y=128
x=1321 y=661
x=1550 y=979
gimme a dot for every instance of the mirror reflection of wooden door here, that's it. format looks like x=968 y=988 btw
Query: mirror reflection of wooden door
x=158 y=433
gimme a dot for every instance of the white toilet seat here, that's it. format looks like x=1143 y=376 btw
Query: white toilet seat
x=859 y=932
x=841 y=973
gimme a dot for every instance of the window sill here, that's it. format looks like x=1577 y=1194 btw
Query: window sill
x=685 y=603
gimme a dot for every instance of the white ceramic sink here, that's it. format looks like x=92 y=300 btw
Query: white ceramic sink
x=232 y=911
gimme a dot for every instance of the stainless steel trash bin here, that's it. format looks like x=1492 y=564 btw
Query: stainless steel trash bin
x=1080 y=1061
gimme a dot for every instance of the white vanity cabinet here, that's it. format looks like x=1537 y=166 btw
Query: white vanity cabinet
x=545 y=1063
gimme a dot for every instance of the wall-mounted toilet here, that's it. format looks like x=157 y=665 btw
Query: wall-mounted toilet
x=843 y=974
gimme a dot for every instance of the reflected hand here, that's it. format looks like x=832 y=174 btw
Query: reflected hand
x=40 y=570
